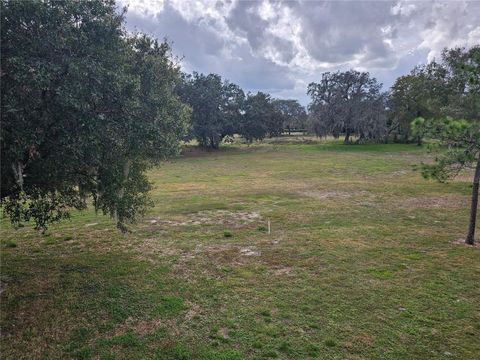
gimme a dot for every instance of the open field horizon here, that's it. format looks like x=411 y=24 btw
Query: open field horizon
x=362 y=262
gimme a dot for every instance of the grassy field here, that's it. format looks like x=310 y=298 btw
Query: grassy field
x=361 y=263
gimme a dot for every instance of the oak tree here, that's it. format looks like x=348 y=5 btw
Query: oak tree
x=86 y=109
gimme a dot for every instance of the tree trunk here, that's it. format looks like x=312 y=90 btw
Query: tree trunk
x=361 y=139
x=470 y=240
x=121 y=191
x=18 y=168
x=347 y=138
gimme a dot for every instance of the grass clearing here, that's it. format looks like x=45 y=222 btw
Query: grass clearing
x=361 y=263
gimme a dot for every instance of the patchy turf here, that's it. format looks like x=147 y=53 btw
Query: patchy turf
x=362 y=262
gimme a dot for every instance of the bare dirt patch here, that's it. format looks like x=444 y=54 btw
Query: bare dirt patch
x=157 y=247
x=463 y=177
x=282 y=271
x=217 y=217
x=144 y=326
x=226 y=252
x=223 y=333
x=141 y=327
x=333 y=194
x=398 y=173
x=249 y=251
x=207 y=256
x=193 y=311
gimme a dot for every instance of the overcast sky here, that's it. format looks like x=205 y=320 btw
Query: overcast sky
x=279 y=47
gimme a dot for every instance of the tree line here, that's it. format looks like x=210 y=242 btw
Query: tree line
x=88 y=107
x=348 y=103
x=353 y=103
x=221 y=108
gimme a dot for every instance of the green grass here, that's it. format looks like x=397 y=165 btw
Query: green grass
x=361 y=263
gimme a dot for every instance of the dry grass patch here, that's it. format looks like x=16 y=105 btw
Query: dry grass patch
x=336 y=194
x=217 y=217
x=452 y=202
x=143 y=326
x=222 y=254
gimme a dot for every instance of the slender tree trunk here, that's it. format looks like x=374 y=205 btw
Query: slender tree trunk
x=470 y=240
x=347 y=138
x=18 y=168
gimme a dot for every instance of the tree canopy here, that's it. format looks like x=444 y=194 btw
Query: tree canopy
x=86 y=109
x=293 y=115
x=435 y=90
x=258 y=117
x=216 y=106
x=348 y=103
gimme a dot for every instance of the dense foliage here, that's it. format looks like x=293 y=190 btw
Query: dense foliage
x=435 y=90
x=222 y=109
x=348 y=103
x=216 y=107
x=85 y=110
x=293 y=115
x=258 y=117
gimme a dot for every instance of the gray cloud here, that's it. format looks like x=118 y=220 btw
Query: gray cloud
x=279 y=47
x=336 y=32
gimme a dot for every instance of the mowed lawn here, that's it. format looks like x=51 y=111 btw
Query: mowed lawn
x=361 y=263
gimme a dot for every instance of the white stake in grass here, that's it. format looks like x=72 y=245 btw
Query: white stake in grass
x=268 y=227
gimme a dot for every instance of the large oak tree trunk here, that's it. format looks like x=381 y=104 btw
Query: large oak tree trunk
x=470 y=240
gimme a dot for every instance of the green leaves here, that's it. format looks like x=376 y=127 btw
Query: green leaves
x=257 y=119
x=437 y=90
x=86 y=110
x=41 y=207
x=461 y=139
x=216 y=107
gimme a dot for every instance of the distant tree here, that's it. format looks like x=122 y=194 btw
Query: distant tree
x=294 y=116
x=204 y=94
x=85 y=110
x=274 y=119
x=405 y=105
x=372 y=118
x=232 y=108
x=216 y=107
x=347 y=103
x=257 y=117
